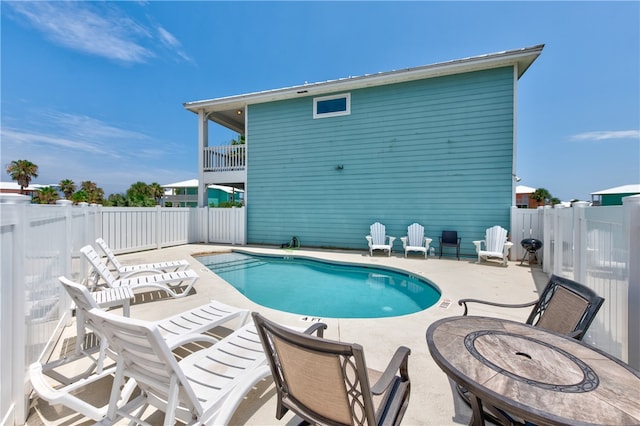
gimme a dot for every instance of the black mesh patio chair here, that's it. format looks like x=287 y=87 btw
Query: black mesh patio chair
x=565 y=307
x=327 y=382
x=450 y=239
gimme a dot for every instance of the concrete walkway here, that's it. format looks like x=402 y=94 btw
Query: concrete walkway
x=433 y=400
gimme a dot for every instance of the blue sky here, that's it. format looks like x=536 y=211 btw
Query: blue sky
x=95 y=90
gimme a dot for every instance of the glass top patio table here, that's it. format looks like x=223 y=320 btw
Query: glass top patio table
x=540 y=376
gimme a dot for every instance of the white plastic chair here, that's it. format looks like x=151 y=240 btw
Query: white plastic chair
x=168 y=282
x=378 y=240
x=495 y=245
x=125 y=271
x=415 y=240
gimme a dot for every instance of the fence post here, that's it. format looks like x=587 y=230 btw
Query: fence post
x=158 y=228
x=15 y=409
x=234 y=225
x=548 y=234
x=631 y=207
x=579 y=241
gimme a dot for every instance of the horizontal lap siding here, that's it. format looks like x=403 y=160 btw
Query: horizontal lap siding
x=436 y=151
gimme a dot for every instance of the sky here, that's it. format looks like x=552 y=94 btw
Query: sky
x=95 y=90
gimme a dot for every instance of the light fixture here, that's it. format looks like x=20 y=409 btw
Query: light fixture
x=239 y=112
x=515 y=177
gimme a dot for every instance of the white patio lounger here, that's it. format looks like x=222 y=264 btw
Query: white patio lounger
x=203 y=388
x=167 y=281
x=125 y=271
x=172 y=329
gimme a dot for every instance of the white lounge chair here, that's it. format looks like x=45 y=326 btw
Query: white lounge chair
x=172 y=329
x=495 y=245
x=378 y=240
x=202 y=388
x=125 y=271
x=415 y=240
x=167 y=282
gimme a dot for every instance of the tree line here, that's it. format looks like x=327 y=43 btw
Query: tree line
x=139 y=194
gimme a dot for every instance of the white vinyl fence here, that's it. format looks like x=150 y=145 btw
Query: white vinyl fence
x=600 y=248
x=39 y=243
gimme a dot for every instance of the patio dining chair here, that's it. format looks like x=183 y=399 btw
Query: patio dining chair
x=327 y=382
x=450 y=239
x=125 y=271
x=565 y=306
x=168 y=282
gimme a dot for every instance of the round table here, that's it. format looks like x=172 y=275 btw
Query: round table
x=540 y=376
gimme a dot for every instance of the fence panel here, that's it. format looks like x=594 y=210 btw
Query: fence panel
x=525 y=223
x=606 y=272
x=227 y=226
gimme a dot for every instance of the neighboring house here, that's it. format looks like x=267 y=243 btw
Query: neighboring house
x=523 y=200
x=14 y=188
x=185 y=194
x=433 y=144
x=614 y=196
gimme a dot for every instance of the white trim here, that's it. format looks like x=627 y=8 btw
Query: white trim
x=347 y=111
x=514 y=161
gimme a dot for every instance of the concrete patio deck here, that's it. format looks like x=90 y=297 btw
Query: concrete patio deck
x=433 y=400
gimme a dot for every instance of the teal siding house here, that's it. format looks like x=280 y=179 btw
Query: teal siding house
x=614 y=196
x=433 y=144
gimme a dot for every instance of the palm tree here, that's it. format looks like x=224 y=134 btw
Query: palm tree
x=67 y=187
x=94 y=193
x=22 y=171
x=157 y=192
x=47 y=195
x=541 y=195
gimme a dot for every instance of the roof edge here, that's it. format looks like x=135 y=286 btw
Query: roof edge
x=523 y=57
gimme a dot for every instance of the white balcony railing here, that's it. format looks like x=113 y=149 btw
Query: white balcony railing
x=226 y=158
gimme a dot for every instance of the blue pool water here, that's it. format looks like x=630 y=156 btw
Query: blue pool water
x=323 y=289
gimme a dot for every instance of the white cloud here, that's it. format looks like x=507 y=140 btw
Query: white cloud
x=605 y=135
x=100 y=29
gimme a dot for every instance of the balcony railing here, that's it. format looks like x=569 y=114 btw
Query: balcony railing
x=226 y=158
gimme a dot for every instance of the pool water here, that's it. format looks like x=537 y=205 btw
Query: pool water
x=323 y=289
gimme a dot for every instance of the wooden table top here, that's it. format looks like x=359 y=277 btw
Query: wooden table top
x=542 y=376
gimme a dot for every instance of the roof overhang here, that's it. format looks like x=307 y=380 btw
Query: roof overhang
x=230 y=111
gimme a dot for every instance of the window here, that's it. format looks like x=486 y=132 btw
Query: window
x=332 y=106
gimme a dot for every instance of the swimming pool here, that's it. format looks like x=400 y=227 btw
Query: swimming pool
x=323 y=289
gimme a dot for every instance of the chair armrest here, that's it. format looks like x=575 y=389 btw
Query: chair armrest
x=178 y=341
x=501 y=305
x=478 y=245
x=427 y=241
x=391 y=240
x=317 y=328
x=369 y=239
x=399 y=362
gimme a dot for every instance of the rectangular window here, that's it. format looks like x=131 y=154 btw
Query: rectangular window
x=332 y=106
